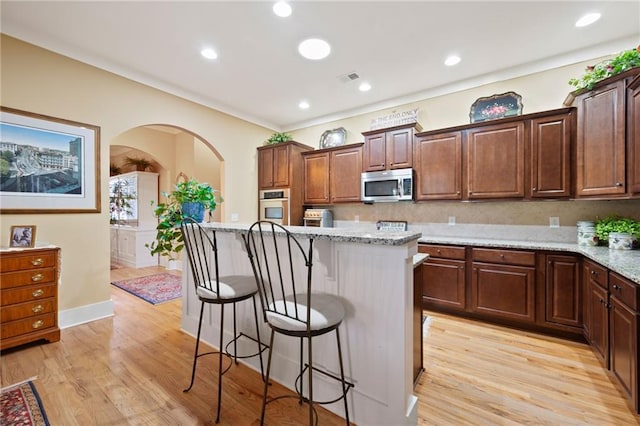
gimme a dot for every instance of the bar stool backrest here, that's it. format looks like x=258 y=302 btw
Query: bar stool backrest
x=202 y=251
x=275 y=256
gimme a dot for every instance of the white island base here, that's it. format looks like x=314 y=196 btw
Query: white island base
x=373 y=274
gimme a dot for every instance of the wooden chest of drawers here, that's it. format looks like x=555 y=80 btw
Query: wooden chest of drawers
x=28 y=296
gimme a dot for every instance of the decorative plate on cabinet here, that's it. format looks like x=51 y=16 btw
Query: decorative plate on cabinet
x=335 y=137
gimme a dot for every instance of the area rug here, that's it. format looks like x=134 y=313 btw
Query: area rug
x=154 y=289
x=21 y=406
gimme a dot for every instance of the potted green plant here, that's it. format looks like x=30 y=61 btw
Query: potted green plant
x=188 y=199
x=618 y=226
x=278 y=138
x=140 y=164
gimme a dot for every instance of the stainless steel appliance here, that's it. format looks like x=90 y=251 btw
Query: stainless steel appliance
x=322 y=218
x=387 y=185
x=274 y=206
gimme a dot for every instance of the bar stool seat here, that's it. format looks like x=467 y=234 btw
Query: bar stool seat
x=326 y=312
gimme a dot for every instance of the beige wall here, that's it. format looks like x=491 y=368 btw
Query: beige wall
x=36 y=80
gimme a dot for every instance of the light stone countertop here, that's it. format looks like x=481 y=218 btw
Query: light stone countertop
x=359 y=236
x=624 y=262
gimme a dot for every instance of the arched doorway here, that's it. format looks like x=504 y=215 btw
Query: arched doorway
x=170 y=152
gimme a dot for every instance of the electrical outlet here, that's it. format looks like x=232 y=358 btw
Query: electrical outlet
x=554 y=222
x=235 y=217
x=452 y=220
x=356 y=219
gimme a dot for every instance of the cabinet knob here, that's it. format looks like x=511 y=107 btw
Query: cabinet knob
x=601 y=301
x=534 y=189
x=37 y=293
x=618 y=183
x=502 y=256
x=37 y=277
x=438 y=251
x=37 y=261
x=37 y=308
x=458 y=193
x=593 y=272
x=37 y=324
x=617 y=287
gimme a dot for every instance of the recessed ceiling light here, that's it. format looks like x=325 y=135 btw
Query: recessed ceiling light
x=209 y=53
x=364 y=87
x=282 y=9
x=588 y=19
x=303 y=105
x=314 y=49
x=452 y=60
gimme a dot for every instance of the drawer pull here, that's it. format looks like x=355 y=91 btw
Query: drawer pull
x=37 y=308
x=37 y=293
x=37 y=277
x=37 y=261
x=37 y=324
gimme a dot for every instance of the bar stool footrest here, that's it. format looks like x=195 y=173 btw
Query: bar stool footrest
x=348 y=385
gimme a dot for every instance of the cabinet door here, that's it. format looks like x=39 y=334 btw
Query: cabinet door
x=265 y=168
x=551 y=156
x=443 y=283
x=598 y=320
x=503 y=291
x=624 y=347
x=344 y=176
x=563 y=291
x=375 y=152
x=281 y=166
x=399 y=146
x=316 y=178
x=438 y=161
x=600 y=147
x=495 y=161
x=633 y=153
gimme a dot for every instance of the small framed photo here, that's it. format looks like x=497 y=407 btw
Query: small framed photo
x=22 y=236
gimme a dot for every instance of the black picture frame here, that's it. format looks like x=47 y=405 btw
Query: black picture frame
x=497 y=106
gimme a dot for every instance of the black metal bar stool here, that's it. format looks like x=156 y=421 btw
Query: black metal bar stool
x=202 y=251
x=289 y=307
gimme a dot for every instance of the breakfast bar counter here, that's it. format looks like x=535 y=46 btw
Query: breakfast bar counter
x=372 y=272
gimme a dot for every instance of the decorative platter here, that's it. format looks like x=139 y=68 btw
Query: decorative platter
x=335 y=137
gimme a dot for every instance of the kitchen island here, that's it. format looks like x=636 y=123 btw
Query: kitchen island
x=372 y=272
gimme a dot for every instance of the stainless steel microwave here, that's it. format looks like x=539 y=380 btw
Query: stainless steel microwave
x=387 y=185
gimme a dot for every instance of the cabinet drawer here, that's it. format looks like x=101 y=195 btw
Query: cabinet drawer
x=27 y=325
x=507 y=257
x=26 y=294
x=22 y=278
x=28 y=261
x=27 y=309
x=598 y=274
x=445 y=252
x=625 y=291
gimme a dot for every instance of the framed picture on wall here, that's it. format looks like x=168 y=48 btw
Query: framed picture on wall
x=22 y=236
x=49 y=164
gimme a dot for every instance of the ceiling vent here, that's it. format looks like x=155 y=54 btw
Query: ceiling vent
x=346 y=78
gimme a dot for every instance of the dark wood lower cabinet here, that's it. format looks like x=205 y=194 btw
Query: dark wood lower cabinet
x=597 y=320
x=503 y=291
x=444 y=283
x=624 y=348
x=562 y=291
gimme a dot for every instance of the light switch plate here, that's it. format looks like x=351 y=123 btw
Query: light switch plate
x=554 y=222
x=235 y=217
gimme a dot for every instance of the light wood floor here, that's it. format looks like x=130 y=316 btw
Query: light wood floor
x=131 y=369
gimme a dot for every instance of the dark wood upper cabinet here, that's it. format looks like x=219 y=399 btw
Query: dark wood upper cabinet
x=316 y=178
x=344 y=176
x=438 y=165
x=601 y=141
x=495 y=161
x=633 y=137
x=332 y=175
x=550 y=156
x=280 y=165
x=390 y=148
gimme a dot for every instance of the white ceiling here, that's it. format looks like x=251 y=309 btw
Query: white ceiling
x=399 y=47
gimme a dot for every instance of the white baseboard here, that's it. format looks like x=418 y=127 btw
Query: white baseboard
x=84 y=314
